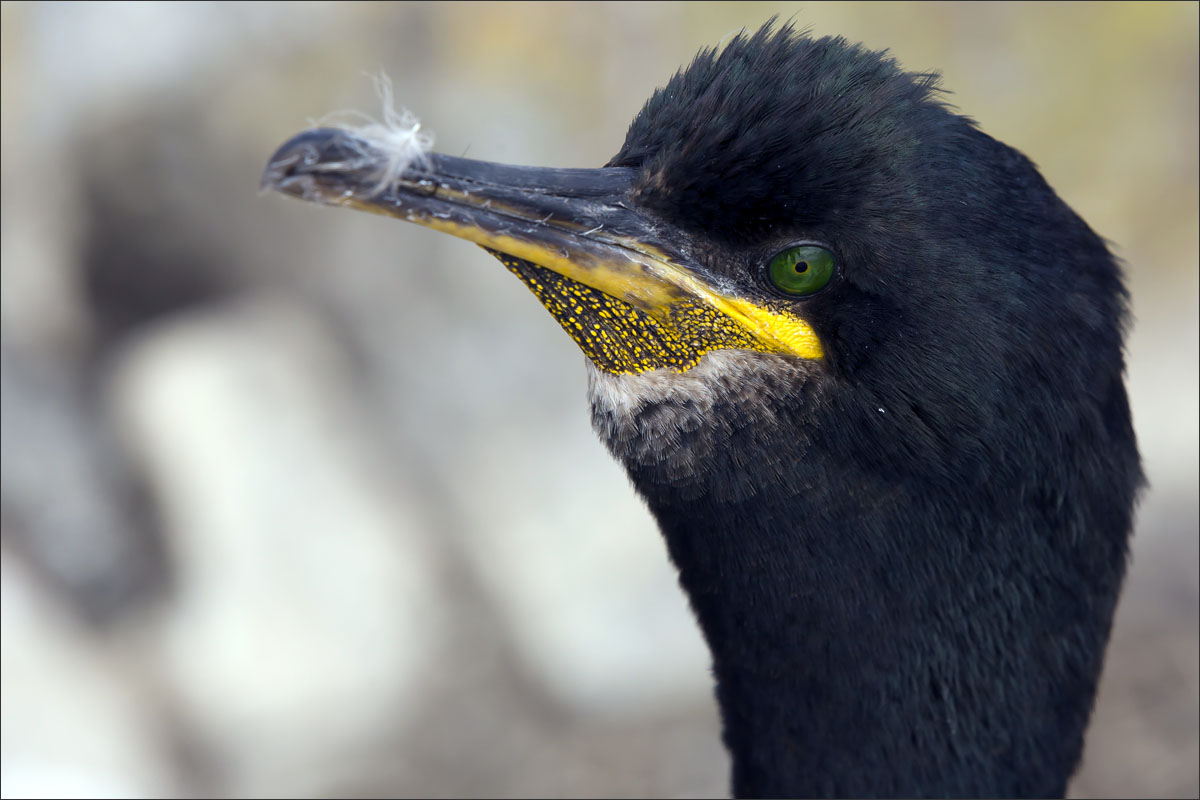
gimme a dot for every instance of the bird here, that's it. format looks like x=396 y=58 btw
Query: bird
x=866 y=369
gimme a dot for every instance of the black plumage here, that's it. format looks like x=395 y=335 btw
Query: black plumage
x=912 y=593
x=904 y=551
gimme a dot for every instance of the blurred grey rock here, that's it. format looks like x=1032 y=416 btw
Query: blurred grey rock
x=76 y=723
x=71 y=505
x=307 y=604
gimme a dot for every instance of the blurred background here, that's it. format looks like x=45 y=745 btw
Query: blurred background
x=302 y=502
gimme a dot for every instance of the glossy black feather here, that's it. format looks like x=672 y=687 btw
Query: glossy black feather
x=906 y=562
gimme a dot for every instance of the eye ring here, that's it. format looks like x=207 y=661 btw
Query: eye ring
x=801 y=270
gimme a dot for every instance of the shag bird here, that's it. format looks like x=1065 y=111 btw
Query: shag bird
x=865 y=368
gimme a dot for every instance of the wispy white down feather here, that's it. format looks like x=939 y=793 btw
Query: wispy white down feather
x=392 y=144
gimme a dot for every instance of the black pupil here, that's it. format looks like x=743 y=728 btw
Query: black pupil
x=801 y=266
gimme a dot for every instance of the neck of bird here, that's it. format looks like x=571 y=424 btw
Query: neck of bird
x=862 y=659
x=870 y=635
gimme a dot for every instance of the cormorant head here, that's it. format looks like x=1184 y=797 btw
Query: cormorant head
x=803 y=209
x=866 y=368
x=955 y=301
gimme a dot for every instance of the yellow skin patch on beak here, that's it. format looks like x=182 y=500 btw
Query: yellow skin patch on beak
x=620 y=338
x=779 y=332
x=627 y=307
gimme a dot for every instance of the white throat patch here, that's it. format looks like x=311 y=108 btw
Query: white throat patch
x=672 y=418
x=719 y=374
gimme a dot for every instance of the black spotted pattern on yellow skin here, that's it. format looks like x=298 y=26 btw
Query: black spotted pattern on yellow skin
x=621 y=339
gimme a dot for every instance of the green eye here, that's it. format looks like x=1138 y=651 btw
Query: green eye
x=802 y=270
